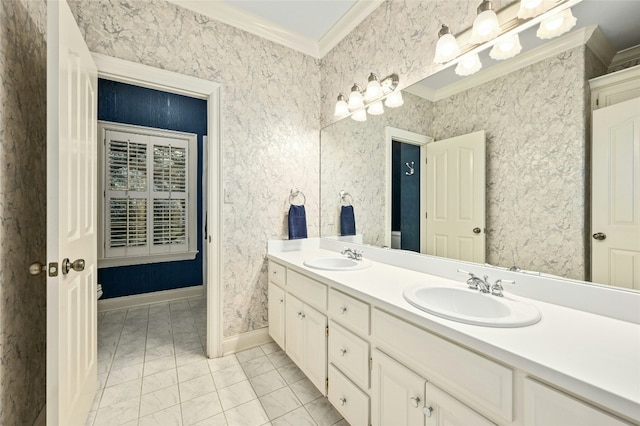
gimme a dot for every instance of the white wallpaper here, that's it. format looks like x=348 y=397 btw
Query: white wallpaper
x=22 y=210
x=269 y=131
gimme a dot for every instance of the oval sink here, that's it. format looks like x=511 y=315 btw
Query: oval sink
x=471 y=307
x=336 y=263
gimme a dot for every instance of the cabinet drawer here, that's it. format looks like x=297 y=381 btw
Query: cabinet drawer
x=484 y=385
x=350 y=312
x=350 y=401
x=350 y=354
x=277 y=273
x=308 y=290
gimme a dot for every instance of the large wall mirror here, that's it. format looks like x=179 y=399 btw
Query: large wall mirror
x=536 y=121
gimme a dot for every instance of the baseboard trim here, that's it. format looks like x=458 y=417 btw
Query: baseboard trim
x=248 y=340
x=148 y=298
x=41 y=420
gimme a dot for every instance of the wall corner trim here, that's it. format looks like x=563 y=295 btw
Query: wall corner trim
x=248 y=340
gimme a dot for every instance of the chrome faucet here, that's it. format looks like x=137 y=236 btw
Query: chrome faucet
x=352 y=254
x=496 y=288
x=477 y=283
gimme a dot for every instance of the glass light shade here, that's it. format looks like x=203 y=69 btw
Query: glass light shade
x=469 y=65
x=342 y=108
x=374 y=90
x=355 y=100
x=531 y=8
x=507 y=48
x=485 y=27
x=556 y=25
x=446 y=49
x=376 y=108
x=360 y=115
x=394 y=100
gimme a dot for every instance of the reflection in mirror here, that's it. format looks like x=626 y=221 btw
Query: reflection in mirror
x=537 y=124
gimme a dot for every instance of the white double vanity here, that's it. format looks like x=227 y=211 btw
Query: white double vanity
x=381 y=360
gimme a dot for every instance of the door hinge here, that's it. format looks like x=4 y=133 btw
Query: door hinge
x=426 y=215
x=371 y=364
x=326 y=331
x=53 y=269
x=326 y=383
x=597 y=101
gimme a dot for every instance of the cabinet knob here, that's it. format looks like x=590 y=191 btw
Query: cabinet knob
x=427 y=411
x=281 y=300
x=343 y=310
x=343 y=352
x=301 y=315
x=415 y=401
x=343 y=401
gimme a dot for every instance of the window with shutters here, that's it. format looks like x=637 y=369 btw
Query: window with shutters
x=149 y=195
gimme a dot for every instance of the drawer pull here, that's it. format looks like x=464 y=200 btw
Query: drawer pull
x=427 y=411
x=343 y=352
x=343 y=310
x=343 y=401
x=415 y=400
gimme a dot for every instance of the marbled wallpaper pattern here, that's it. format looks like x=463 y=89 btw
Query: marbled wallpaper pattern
x=270 y=126
x=354 y=157
x=22 y=210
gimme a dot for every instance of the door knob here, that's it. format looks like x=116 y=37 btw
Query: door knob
x=77 y=265
x=599 y=236
x=36 y=268
x=477 y=230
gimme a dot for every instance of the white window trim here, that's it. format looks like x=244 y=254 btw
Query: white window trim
x=190 y=254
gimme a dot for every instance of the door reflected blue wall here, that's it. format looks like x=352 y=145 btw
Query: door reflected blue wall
x=405 y=194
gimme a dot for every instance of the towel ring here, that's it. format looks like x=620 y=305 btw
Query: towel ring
x=294 y=193
x=343 y=198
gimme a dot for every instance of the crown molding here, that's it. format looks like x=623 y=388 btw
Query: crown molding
x=268 y=30
x=349 y=21
x=252 y=24
x=626 y=55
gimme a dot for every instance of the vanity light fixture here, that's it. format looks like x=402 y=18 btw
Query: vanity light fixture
x=470 y=64
x=485 y=26
x=447 y=47
x=371 y=100
x=531 y=8
x=556 y=25
x=506 y=48
x=342 y=108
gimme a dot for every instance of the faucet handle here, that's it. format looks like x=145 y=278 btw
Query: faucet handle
x=496 y=288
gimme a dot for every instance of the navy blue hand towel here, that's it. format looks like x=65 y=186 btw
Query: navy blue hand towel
x=347 y=221
x=297 y=222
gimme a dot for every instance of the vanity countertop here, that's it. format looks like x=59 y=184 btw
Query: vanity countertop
x=584 y=353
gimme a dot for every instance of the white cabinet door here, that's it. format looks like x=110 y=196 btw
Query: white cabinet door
x=545 y=406
x=397 y=393
x=277 y=314
x=315 y=347
x=442 y=409
x=294 y=336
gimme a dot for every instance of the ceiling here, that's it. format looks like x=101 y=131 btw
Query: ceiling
x=315 y=26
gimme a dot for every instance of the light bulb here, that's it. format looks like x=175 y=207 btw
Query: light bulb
x=394 y=100
x=359 y=115
x=485 y=26
x=374 y=90
x=556 y=25
x=531 y=8
x=355 y=98
x=342 y=109
x=469 y=65
x=447 y=47
x=376 y=108
x=506 y=48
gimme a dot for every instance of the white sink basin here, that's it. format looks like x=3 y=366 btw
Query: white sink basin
x=337 y=263
x=471 y=306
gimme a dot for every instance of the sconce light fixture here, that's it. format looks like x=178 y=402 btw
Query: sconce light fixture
x=485 y=26
x=556 y=25
x=554 y=16
x=371 y=100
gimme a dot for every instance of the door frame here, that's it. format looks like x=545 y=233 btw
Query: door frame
x=405 y=136
x=155 y=78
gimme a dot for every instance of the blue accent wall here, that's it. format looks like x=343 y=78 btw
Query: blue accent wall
x=127 y=104
x=405 y=194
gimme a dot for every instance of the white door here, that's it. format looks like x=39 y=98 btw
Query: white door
x=315 y=347
x=615 y=247
x=397 y=393
x=456 y=197
x=71 y=220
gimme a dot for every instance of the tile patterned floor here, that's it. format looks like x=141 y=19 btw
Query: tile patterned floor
x=152 y=370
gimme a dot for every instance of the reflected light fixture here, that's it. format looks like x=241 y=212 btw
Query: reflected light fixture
x=378 y=90
x=506 y=48
x=468 y=65
x=447 y=47
x=531 y=8
x=342 y=108
x=485 y=26
x=556 y=25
